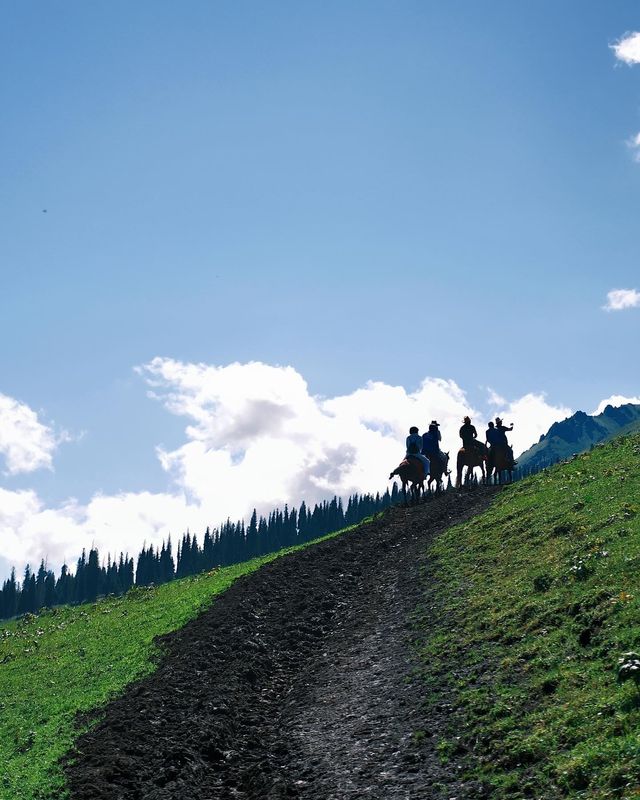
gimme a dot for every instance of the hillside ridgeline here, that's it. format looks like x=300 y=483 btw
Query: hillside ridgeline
x=301 y=681
x=580 y=432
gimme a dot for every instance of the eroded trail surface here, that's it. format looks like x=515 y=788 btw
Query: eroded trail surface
x=296 y=683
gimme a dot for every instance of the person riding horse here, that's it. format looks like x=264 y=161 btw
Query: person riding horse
x=431 y=443
x=502 y=431
x=469 y=436
x=414 y=448
x=496 y=436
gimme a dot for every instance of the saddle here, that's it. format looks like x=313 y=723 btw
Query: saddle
x=435 y=459
x=411 y=458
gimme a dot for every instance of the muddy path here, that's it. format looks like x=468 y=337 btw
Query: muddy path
x=296 y=683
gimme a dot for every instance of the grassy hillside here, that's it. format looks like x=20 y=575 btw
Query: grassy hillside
x=541 y=598
x=74 y=659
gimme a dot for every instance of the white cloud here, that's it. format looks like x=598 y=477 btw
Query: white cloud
x=494 y=399
x=30 y=532
x=615 y=400
x=25 y=443
x=627 y=49
x=619 y=299
x=254 y=436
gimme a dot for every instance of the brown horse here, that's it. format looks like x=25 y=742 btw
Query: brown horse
x=411 y=470
x=472 y=458
x=500 y=461
x=439 y=467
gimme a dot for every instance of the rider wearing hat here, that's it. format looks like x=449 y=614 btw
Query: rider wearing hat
x=431 y=442
x=501 y=437
x=468 y=434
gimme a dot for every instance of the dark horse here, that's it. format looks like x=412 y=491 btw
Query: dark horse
x=471 y=458
x=411 y=470
x=501 y=463
x=439 y=467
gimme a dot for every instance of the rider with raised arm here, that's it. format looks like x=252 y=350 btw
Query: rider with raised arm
x=501 y=438
x=414 y=448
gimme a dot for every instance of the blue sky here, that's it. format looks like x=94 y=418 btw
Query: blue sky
x=364 y=191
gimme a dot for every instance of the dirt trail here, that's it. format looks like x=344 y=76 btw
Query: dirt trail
x=296 y=683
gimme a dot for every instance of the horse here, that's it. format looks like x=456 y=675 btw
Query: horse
x=410 y=470
x=472 y=458
x=439 y=467
x=501 y=461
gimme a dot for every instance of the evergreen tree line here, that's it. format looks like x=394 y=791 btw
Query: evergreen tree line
x=231 y=543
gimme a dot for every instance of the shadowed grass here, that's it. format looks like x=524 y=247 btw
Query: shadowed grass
x=541 y=596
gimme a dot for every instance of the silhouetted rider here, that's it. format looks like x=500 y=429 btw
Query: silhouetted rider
x=493 y=436
x=414 y=448
x=501 y=435
x=431 y=442
x=469 y=435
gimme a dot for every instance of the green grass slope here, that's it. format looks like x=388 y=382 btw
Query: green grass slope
x=75 y=659
x=541 y=596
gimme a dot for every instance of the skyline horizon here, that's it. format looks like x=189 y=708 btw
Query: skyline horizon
x=239 y=424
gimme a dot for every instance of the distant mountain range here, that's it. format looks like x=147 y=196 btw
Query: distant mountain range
x=579 y=433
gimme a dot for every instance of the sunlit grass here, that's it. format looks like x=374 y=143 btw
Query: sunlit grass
x=541 y=597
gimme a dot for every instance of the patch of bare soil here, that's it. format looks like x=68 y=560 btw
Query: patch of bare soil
x=296 y=683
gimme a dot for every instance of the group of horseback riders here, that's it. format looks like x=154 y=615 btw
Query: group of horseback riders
x=426 y=448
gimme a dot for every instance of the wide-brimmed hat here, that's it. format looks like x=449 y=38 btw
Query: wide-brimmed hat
x=433 y=422
x=499 y=420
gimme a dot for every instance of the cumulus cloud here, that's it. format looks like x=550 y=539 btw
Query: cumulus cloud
x=257 y=436
x=619 y=299
x=615 y=400
x=254 y=437
x=25 y=442
x=627 y=49
x=29 y=531
x=493 y=398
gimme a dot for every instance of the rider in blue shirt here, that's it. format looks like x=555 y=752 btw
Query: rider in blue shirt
x=493 y=436
x=431 y=442
x=414 y=447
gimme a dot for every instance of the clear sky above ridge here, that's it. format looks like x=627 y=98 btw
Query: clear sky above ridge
x=365 y=191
